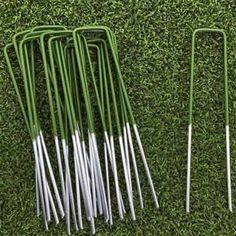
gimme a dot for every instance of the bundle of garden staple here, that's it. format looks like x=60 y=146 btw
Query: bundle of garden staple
x=91 y=120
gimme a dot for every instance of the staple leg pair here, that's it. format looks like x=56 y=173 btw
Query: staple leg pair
x=206 y=30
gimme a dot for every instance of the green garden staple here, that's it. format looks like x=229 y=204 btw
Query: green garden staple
x=66 y=90
x=41 y=135
x=39 y=190
x=76 y=140
x=111 y=39
x=72 y=72
x=119 y=197
x=101 y=41
x=92 y=136
x=102 y=110
x=101 y=104
x=26 y=119
x=219 y=31
x=55 y=188
x=100 y=51
x=24 y=112
x=117 y=122
x=38 y=133
x=69 y=200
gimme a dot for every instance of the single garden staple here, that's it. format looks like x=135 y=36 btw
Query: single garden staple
x=218 y=31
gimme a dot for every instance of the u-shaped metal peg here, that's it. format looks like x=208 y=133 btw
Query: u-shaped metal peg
x=206 y=30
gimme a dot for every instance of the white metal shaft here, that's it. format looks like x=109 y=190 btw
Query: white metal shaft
x=82 y=160
x=43 y=175
x=71 y=196
x=134 y=165
x=108 y=183
x=97 y=186
x=67 y=206
x=86 y=161
x=39 y=181
x=146 y=165
x=59 y=162
x=54 y=184
x=54 y=211
x=100 y=178
x=126 y=178
x=189 y=169
x=82 y=178
x=228 y=169
x=111 y=155
x=67 y=186
x=127 y=158
x=37 y=193
x=93 y=181
x=77 y=185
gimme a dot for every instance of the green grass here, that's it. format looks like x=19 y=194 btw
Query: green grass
x=154 y=39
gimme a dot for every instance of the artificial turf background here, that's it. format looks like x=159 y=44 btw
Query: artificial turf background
x=154 y=39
